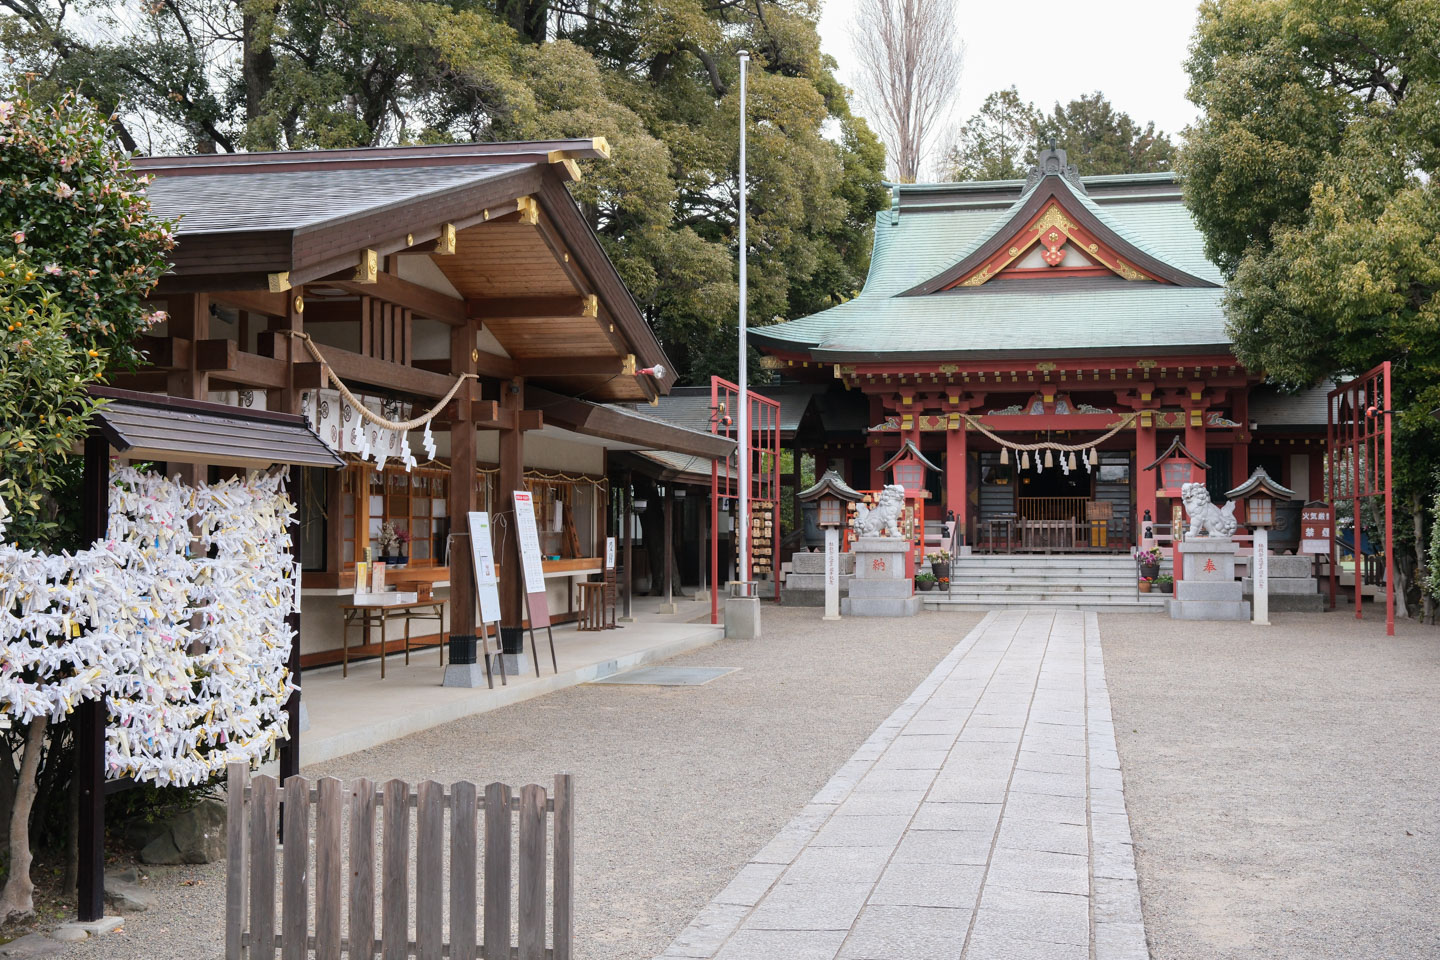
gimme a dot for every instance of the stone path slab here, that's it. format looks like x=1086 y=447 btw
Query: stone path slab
x=984 y=820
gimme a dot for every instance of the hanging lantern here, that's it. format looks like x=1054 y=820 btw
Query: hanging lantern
x=1004 y=456
x=1049 y=458
x=1072 y=459
x=1025 y=461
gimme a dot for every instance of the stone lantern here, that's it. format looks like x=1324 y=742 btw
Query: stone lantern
x=831 y=495
x=1259 y=494
x=1177 y=466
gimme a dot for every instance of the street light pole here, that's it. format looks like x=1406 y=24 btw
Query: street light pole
x=743 y=421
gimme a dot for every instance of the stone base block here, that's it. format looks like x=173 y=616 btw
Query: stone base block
x=880 y=606
x=466 y=674
x=886 y=589
x=813 y=581
x=83 y=930
x=814 y=564
x=516 y=664
x=1209 y=610
x=1284 y=587
x=1207 y=590
x=1294 y=603
x=742 y=618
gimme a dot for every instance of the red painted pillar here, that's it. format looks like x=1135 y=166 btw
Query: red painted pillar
x=877 y=457
x=1144 y=479
x=1317 y=476
x=955 y=479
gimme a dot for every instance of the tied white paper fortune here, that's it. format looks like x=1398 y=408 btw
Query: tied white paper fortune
x=188 y=642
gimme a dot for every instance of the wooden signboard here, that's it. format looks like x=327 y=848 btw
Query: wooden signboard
x=611 y=593
x=1316 y=522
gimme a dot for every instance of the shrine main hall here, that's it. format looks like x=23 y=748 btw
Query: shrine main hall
x=1080 y=312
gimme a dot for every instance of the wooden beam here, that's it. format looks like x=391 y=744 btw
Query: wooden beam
x=166 y=353
x=576 y=367
x=226 y=361
x=489 y=415
x=422 y=300
x=486 y=365
x=256 y=301
x=356 y=369
x=524 y=308
x=144 y=381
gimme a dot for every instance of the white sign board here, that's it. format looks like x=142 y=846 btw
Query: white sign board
x=482 y=558
x=1260 y=582
x=528 y=537
x=832 y=573
x=609 y=553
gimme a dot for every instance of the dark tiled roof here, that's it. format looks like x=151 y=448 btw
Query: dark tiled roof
x=1270 y=408
x=297 y=200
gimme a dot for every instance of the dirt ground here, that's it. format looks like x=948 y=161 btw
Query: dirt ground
x=1283 y=784
x=676 y=787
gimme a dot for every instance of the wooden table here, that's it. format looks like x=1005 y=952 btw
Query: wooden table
x=370 y=615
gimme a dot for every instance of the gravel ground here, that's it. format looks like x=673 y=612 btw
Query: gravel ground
x=1283 y=784
x=675 y=787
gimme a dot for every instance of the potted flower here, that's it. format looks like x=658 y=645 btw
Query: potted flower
x=390 y=543
x=944 y=583
x=1146 y=583
x=939 y=564
x=925 y=581
x=402 y=539
x=1166 y=583
x=1149 y=561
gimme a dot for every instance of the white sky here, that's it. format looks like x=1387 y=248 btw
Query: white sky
x=1131 y=50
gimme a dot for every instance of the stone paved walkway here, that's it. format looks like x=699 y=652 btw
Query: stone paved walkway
x=985 y=819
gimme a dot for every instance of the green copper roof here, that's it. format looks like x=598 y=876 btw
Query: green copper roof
x=931 y=227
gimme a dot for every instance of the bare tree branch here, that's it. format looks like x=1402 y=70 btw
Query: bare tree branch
x=910 y=58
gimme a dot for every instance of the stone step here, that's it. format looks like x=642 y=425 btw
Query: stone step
x=1010 y=586
x=1142 y=605
x=1069 y=596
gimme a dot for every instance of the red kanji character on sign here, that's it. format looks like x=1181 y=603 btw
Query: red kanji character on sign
x=1209 y=565
x=877 y=564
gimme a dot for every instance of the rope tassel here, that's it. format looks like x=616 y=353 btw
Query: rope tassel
x=1004 y=456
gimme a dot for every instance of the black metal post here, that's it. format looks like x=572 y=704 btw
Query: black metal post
x=90 y=716
x=290 y=749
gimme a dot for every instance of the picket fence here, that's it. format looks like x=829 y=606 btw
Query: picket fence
x=253 y=931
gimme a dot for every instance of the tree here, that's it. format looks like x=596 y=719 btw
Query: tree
x=1000 y=142
x=997 y=143
x=1313 y=173
x=82 y=252
x=656 y=77
x=1100 y=140
x=910 y=57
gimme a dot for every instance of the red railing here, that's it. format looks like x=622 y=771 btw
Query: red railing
x=764 y=453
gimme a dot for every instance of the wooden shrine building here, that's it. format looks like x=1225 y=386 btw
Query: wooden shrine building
x=416 y=274
x=1041 y=341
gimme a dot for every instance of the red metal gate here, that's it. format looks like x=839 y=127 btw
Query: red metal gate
x=1358 y=468
x=764 y=453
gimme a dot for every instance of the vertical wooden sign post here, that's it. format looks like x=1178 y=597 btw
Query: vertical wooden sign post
x=487 y=595
x=537 y=607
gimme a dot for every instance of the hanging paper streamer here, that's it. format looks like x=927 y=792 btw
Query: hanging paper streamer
x=183 y=631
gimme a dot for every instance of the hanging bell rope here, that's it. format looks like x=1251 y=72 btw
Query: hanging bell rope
x=365 y=412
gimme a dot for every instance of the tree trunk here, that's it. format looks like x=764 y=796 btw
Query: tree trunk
x=18 y=897
x=71 y=882
x=1417 y=513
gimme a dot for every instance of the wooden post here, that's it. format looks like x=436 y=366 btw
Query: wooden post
x=237 y=779
x=395 y=881
x=512 y=478
x=563 y=927
x=263 y=828
x=290 y=748
x=702 y=517
x=626 y=509
x=90 y=716
x=329 y=867
x=462 y=499
x=462 y=870
x=530 y=877
x=295 y=921
x=362 y=869
x=668 y=549
x=497 y=872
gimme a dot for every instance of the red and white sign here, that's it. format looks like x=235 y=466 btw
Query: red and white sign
x=528 y=538
x=1316 y=524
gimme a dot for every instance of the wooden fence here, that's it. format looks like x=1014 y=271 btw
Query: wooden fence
x=257 y=933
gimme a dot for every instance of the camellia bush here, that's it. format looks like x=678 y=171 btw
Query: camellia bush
x=79 y=252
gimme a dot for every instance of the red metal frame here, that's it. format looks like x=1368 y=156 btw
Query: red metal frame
x=764 y=453
x=1358 y=421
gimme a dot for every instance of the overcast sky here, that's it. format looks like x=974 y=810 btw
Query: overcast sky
x=1132 y=50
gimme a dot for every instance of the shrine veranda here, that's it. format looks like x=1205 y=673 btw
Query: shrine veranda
x=1075 y=311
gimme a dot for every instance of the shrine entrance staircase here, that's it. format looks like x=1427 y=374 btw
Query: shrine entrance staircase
x=1084 y=581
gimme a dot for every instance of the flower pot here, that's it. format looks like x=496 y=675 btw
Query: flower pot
x=1151 y=570
x=941 y=570
x=925 y=585
x=1167 y=587
x=1145 y=586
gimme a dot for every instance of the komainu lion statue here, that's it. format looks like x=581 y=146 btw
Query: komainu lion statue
x=1206 y=519
x=883 y=519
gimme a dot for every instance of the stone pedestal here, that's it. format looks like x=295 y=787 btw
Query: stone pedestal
x=805 y=583
x=880 y=587
x=1293 y=587
x=1208 y=589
